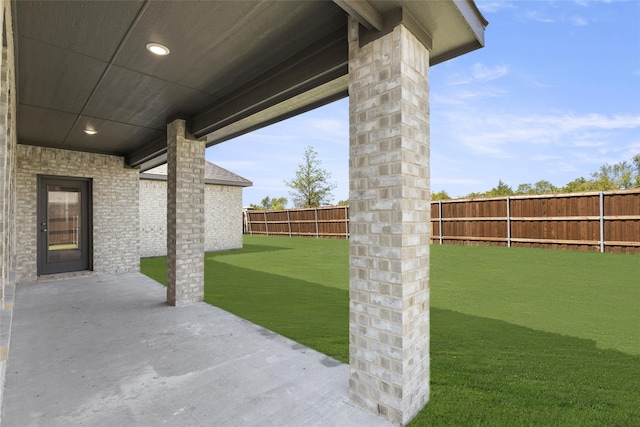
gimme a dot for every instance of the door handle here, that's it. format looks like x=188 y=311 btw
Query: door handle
x=43 y=230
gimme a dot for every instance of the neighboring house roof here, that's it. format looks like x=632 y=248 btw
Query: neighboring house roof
x=213 y=174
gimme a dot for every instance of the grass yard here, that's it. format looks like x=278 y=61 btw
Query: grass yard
x=518 y=336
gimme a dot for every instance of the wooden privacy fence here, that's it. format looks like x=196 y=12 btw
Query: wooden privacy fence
x=327 y=222
x=597 y=221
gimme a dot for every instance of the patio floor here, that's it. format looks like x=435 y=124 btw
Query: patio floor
x=107 y=351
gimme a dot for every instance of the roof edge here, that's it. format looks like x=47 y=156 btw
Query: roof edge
x=476 y=21
x=156 y=177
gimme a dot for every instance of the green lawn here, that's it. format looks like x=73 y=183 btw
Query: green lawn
x=518 y=336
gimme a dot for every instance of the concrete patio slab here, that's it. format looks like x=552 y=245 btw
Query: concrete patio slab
x=107 y=351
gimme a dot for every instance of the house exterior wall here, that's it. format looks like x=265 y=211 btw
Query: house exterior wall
x=153 y=218
x=7 y=187
x=115 y=191
x=7 y=168
x=223 y=217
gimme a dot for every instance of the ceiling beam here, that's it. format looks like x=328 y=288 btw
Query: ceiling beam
x=321 y=62
x=393 y=19
x=362 y=12
x=317 y=97
x=147 y=153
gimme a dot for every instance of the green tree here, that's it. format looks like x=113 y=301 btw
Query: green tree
x=269 y=204
x=311 y=187
x=545 y=187
x=540 y=187
x=636 y=167
x=475 y=195
x=525 y=189
x=614 y=177
x=578 y=185
x=501 y=189
x=621 y=175
x=440 y=195
x=343 y=202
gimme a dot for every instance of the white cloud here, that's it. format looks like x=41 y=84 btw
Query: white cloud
x=492 y=6
x=563 y=167
x=485 y=73
x=545 y=157
x=504 y=135
x=539 y=17
x=330 y=125
x=462 y=97
x=479 y=73
x=578 y=21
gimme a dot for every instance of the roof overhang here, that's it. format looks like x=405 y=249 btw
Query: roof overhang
x=234 y=66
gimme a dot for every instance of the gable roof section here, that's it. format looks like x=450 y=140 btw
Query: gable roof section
x=213 y=174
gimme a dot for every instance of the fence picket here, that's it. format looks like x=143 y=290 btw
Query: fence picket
x=573 y=221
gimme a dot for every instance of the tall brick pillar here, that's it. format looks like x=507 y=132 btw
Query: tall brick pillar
x=389 y=193
x=185 y=216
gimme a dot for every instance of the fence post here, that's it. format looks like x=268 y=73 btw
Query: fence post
x=249 y=223
x=440 y=219
x=346 y=222
x=266 y=226
x=602 y=221
x=289 y=222
x=317 y=234
x=508 y=221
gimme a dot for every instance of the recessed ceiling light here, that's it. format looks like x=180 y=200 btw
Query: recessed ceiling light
x=158 y=49
x=90 y=131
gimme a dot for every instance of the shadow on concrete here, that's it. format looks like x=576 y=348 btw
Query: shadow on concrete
x=106 y=351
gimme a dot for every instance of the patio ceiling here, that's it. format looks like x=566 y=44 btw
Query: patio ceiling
x=234 y=66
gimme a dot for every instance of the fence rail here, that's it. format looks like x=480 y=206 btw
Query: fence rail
x=327 y=222
x=606 y=221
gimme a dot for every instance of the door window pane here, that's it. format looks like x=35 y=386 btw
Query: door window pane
x=63 y=212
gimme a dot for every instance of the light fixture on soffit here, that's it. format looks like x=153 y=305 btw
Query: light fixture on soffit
x=158 y=49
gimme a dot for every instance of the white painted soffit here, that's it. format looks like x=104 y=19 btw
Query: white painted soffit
x=456 y=27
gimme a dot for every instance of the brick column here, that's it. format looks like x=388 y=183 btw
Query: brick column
x=389 y=193
x=185 y=216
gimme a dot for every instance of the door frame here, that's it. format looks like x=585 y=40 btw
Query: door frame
x=86 y=224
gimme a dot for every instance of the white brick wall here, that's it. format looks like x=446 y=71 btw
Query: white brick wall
x=389 y=213
x=223 y=217
x=153 y=218
x=115 y=206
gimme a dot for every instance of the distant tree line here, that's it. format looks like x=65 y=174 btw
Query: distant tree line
x=269 y=204
x=619 y=176
x=311 y=186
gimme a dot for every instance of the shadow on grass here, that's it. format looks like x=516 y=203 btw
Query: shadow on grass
x=484 y=372
x=248 y=248
x=490 y=372
x=311 y=314
x=156 y=267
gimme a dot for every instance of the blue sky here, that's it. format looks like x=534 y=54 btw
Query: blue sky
x=554 y=94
